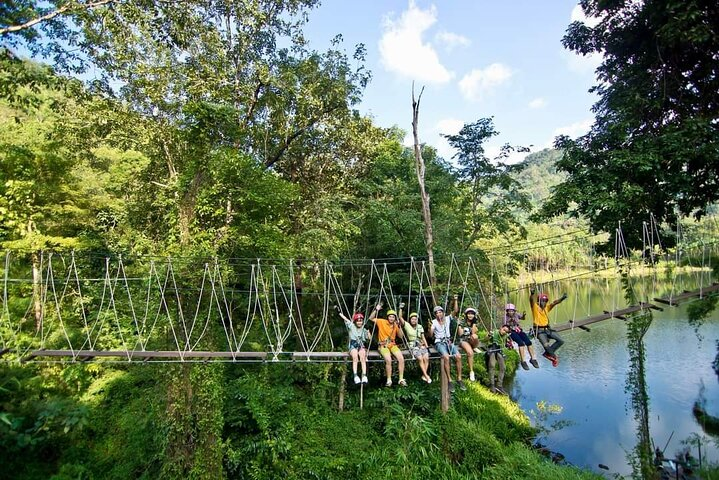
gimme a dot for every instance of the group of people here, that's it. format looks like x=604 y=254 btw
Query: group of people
x=443 y=335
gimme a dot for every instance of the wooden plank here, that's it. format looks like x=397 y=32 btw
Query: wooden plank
x=673 y=300
x=603 y=316
x=586 y=329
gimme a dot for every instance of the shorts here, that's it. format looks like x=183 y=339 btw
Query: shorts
x=446 y=349
x=386 y=350
x=418 y=352
x=520 y=338
x=354 y=344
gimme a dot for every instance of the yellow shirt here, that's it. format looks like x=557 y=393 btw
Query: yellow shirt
x=541 y=315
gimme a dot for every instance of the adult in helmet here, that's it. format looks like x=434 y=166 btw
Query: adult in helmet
x=518 y=336
x=468 y=337
x=387 y=331
x=540 y=314
x=358 y=342
x=441 y=331
x=494 y=357
x=414 y=333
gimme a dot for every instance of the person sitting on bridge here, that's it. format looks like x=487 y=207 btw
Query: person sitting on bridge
x=387 y=331
x=468 y=338
x=441 y=330
x=540 y=315
x=519 y=336
x=358 y=341
x=414 y=333
x=494 y=356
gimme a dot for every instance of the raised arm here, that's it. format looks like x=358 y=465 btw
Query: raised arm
x=559 y=300
x=455 y=305
x=375 y=311
x=533 y=295
x=401 y=314
x=342 y=315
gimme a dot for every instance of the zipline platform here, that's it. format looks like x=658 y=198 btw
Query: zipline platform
x=675 y=299
x=620 y=314
x=147 y=355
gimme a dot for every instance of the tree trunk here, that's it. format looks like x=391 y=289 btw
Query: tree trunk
x=37 y=290
x=426 y=213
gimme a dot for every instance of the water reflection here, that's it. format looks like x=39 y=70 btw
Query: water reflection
x=589 y=381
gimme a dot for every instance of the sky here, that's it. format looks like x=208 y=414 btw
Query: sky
x=475 y=58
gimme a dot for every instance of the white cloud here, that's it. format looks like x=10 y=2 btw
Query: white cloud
x=579 y=16
x=538 y=103
x=450 y=40
x=403 y=52
x=582 y=64
x=449 y=126
x=574 y=130
x=480 y=82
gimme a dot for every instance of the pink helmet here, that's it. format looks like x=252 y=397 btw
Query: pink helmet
x=510 y=306
x=357 y=316
x=543 y=296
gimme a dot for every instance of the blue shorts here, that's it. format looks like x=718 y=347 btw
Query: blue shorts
x=446 y=349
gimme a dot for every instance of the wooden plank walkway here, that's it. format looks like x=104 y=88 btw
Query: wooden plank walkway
x=675 y=299
x=604 y=316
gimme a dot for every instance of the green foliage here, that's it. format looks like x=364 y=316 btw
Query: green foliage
x=653 y=147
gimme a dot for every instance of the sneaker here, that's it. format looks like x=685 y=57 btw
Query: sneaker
x=357 y=380
x=388 y=383
x=472 y=377
x=402 y=382
x=429 y=380
x=492 y=389
x=477 y=350
x=461 y=384
x=555 y=360
x=451 y=387
x=364 y=379
x=500 y=391
x=524 y=365
x=548 y=356
x=534 y=363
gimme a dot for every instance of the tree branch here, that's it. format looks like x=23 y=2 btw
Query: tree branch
x=64 y=9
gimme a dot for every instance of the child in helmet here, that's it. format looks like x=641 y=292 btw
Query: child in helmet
x=468 y=338
x=540 y=315
x=518 y=336
x=414 y=333
x=387 y=331
x=358 y=341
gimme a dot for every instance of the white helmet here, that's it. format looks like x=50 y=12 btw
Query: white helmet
x=510 y=306
x=470 y=310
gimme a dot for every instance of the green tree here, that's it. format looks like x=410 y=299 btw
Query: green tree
x=491 y=194
x=654 y=146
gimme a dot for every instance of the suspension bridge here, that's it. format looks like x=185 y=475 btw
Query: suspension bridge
x=76 y=308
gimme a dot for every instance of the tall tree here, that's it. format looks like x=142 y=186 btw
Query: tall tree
x=421 y=169
x=654 y=145
x=492 y=194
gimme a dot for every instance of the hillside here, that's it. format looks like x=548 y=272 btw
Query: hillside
x=538 y=174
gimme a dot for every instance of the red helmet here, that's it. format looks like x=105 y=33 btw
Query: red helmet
x=543 y=296
x=357 y=316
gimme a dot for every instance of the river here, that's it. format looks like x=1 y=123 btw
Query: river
x=589 y=383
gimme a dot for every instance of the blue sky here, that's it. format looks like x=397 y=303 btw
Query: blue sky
x=476 y=58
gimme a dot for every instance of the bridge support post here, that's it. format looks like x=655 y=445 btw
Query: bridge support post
x=445 y=385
